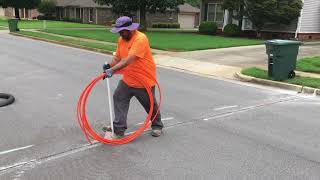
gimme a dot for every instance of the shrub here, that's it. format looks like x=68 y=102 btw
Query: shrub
x=208 y=27
x=166 y=25
x=231 y=30
x=42 y=17
x=75 y=20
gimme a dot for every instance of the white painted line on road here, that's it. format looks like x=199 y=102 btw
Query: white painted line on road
x=17 y=149
x=219 y=116
x=225 y=107
x=16 y=165
x=163 y=119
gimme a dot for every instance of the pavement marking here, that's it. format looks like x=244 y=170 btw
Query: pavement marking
x=163 y=119
x=16 y=165
x=225 y=107
x=17 y=149
x=50 y=157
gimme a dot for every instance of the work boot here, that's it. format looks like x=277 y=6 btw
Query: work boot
x=106 y=129
x=117 y=135
x=156 y=132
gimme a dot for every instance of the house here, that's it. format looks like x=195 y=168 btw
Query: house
x=24 y=13
x=90 y=12
x=307 y=27
x=87 y=11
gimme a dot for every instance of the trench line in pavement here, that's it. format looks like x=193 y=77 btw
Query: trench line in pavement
x=85 y=147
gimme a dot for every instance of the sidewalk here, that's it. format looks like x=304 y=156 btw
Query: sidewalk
x=229 y=72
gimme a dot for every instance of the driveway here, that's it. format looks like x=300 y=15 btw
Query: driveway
x=244 y=57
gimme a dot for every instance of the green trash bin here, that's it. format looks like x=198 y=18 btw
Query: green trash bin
x=282 y=58
x=13 y=25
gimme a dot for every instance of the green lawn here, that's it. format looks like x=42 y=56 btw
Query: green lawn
x=38 y=24
x=311 y=64
x=173 y=41
x=299 y=80
x=100 y=46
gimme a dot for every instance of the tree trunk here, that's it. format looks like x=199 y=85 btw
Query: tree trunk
x=258 y=33
x=143 y=21
x=241 y=17
x=16 y=12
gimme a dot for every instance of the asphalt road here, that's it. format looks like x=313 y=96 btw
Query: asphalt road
x=214 y=129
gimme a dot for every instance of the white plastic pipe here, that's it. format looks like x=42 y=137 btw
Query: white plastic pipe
x=110 y=106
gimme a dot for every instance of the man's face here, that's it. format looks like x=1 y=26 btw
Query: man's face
x=126 y=34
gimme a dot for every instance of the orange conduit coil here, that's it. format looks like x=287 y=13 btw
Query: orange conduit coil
x=83 y=121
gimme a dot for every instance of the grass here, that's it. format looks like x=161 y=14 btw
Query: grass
x=38 y=24
x=100 y=46
x=299 y=80
x=170 y=40
x=311 y=64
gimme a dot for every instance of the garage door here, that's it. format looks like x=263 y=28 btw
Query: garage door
x=186 y=20
x=1 y=12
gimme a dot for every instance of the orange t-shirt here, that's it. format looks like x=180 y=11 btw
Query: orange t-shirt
x=138 y=45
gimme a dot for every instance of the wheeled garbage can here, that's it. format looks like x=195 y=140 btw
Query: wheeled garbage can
x=13 y=25
x=282 y=58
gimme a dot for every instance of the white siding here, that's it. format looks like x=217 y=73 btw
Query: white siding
x=310 y=20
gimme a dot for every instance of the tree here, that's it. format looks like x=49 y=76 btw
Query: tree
x=18 y=4
x=259 y=12
x=236 y=9
x=144 y=6
x=195 y=3
x=286 y=11
x=47 y=7
x=272 y=11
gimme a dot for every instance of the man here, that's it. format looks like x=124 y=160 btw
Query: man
x=133 y=54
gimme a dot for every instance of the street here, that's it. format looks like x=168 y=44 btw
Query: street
x=214 y=129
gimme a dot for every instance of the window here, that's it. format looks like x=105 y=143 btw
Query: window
x=90 y=15
x=78 y=13
x=29 y=11
x=215 y=13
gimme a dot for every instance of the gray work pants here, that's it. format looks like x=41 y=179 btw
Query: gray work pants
x=122 y=97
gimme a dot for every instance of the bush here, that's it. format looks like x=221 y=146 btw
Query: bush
x=42 y=17
x=166 y=25
x=231 y=30
x=208 y=27
x=75 y=20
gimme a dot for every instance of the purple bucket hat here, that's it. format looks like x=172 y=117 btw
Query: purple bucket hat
x=124 y=23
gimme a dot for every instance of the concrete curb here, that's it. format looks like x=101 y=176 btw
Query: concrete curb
x=311 y=43
x=63 y=43
x=282 y=85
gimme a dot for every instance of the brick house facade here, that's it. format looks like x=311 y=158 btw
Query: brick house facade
x=90 y=12
x=24 y=13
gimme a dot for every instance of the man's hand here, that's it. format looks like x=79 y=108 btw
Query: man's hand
x=108 y=73
x=105 y=67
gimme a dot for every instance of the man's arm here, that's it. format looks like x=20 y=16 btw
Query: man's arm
x=123 y=63
x=115 y=60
